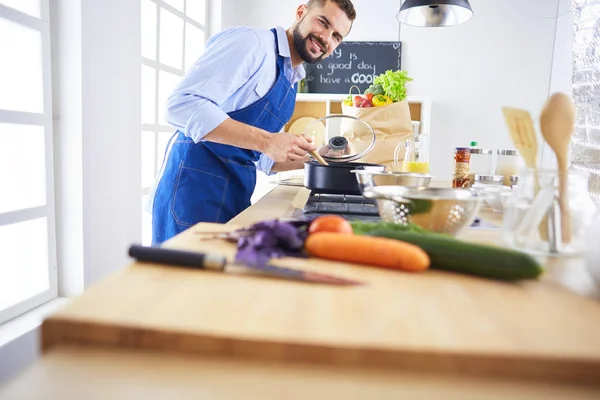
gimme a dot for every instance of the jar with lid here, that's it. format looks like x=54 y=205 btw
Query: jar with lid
x=509 y=163
x=481 y=161
x=462 y=168
x=482 y=181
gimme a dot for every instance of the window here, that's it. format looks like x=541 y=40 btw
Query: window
x=585 y=149
x=173 y=37
x=27 y=220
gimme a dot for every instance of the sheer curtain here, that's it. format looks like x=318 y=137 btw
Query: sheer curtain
x=586 y=90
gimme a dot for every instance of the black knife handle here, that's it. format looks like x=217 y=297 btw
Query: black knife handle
x=176 y=257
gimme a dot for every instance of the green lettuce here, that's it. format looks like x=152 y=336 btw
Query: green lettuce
x=393 y=83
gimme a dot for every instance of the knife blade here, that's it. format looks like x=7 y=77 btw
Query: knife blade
x=216 y=262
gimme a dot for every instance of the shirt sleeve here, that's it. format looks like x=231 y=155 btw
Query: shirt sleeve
x=229 y=59
x=265 y=164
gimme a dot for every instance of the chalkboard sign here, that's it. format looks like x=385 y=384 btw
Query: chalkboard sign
x=352 y=63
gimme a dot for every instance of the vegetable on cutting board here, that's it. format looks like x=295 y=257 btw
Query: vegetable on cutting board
x=459 y=256
x=330 y=223
x=376 y=251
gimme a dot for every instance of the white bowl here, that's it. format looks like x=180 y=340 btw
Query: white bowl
x=494 y=198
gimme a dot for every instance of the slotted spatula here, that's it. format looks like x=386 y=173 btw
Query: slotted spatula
x=522 y=133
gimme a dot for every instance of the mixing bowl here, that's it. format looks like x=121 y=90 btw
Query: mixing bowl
x=435 y=209
x=369 y=178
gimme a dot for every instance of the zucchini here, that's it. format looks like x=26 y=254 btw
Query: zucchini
x=451 y=254
x=363 y=228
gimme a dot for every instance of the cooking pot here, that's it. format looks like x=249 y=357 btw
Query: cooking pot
x=336 y=177
x=337 y=150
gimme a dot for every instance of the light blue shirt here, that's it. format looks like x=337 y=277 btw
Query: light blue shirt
x=237 y=68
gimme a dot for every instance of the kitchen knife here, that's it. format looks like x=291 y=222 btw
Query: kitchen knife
x=219 y=263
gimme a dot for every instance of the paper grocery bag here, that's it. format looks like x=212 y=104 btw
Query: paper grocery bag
x=391 y=123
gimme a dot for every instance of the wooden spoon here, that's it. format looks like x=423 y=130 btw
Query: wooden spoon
x=557 y=123
x=316 y=155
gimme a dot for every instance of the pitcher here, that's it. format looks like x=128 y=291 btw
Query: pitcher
x=412 y=156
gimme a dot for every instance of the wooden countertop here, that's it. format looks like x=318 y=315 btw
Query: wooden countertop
x=435 y=322
x=68 y=372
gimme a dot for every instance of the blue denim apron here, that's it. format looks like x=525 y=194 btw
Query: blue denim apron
x=213 y=182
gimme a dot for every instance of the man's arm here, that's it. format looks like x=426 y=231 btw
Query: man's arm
x=194 y=106
x=288 y=166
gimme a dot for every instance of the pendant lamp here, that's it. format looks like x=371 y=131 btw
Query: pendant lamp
x=434 y=13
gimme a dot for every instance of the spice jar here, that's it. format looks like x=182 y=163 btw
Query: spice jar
x=462 y=167
x=509 y=163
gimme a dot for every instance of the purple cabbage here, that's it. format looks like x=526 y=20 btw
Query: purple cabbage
x=259 y=243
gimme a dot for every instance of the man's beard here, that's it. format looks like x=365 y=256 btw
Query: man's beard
x=301 y=46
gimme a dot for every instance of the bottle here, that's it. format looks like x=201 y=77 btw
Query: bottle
x=462 y=167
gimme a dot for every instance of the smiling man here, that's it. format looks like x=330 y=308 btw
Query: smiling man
x=228 y=111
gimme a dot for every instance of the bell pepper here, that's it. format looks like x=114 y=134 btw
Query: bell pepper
x=348 y=102
x=379 y=100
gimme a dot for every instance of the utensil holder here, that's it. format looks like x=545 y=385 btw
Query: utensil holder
x=529 y=205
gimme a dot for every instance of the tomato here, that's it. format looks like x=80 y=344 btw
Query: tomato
x=330 y=223
x=369 y=96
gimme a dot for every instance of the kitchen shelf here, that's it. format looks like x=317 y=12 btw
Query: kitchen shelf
x=318 y=105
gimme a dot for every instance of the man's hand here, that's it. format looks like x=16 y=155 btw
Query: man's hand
x=285 y=147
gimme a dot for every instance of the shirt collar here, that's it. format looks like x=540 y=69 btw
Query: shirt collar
x=284 y=51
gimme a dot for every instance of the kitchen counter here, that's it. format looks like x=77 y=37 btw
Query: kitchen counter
x=432 y=324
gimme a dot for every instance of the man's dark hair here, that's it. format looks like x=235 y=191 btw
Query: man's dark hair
x=345 y=5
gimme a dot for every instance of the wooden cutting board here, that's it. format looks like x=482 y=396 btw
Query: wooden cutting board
x=433 y=321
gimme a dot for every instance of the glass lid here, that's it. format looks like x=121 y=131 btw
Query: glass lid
x=341 y=138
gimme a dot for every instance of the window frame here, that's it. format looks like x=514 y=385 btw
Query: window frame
x=44 y=120
x=156 y=127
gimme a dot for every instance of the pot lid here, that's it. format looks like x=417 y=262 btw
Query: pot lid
x=344 y=139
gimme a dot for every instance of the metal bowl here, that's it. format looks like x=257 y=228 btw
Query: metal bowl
x=435 y=209
x=369 y=178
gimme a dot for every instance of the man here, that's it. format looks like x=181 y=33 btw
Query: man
x=228 y=109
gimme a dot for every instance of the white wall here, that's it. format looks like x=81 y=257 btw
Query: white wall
x=111 y=133
x=376 y=19
x=502 y=56
x=97 y=133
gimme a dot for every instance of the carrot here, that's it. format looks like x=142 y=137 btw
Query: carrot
x=358 y=249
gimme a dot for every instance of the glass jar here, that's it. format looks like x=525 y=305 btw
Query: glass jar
x=532 y=214
x=481 y=161
x=509 y=162
x=462 y=167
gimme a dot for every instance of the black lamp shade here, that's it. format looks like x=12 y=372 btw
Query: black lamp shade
x=434 y=13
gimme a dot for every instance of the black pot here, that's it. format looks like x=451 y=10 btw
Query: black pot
x=334 y=178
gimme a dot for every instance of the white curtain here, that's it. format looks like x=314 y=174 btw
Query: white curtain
x=586 y=90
